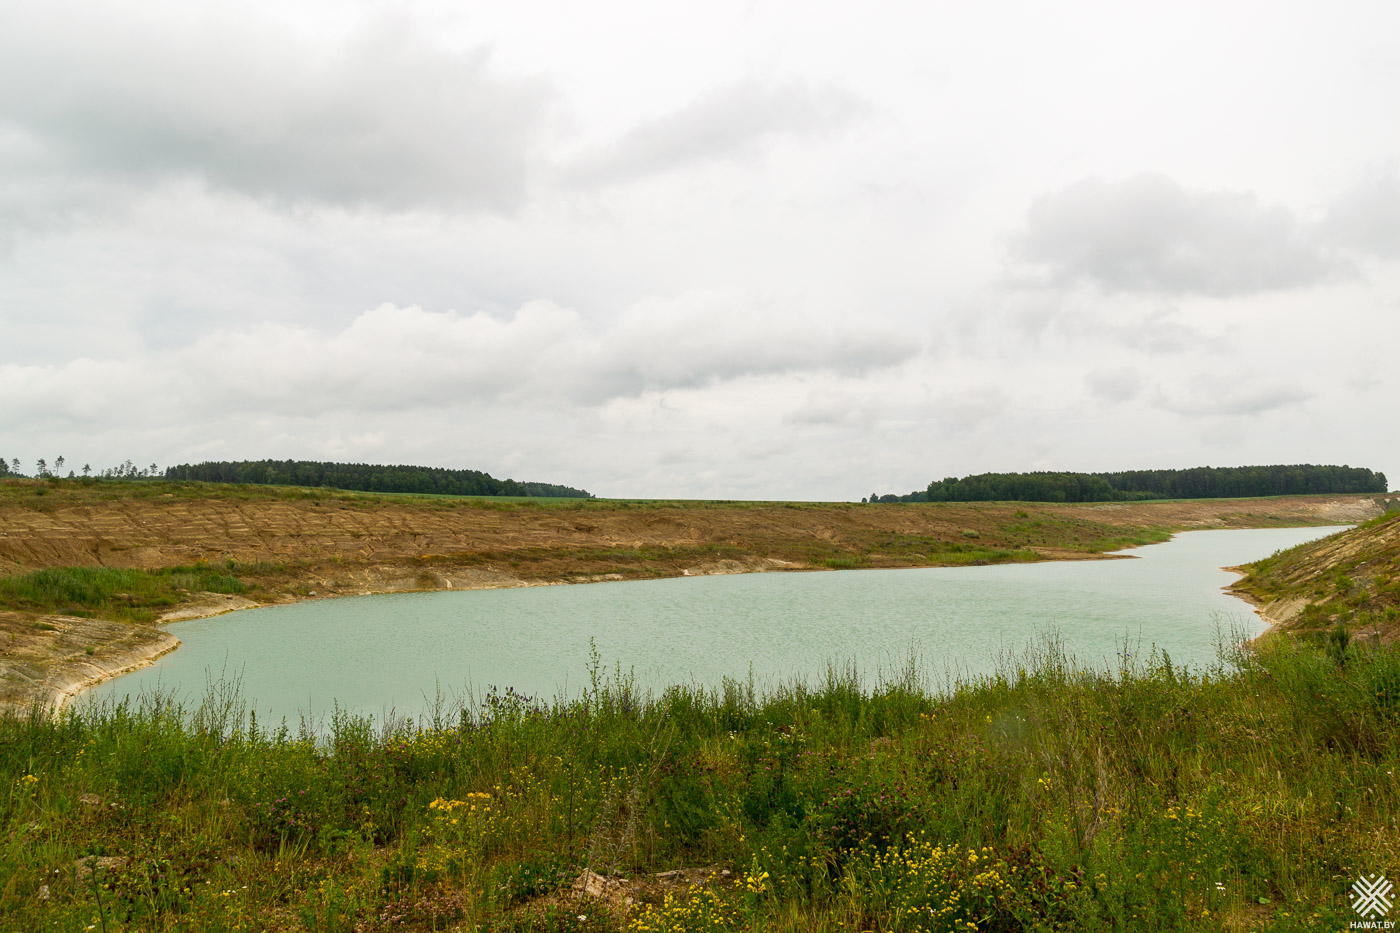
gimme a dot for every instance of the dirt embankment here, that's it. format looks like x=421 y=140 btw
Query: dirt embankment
x=1350 y=580
x=329 y=532
x=51 y=658
x=293 y=544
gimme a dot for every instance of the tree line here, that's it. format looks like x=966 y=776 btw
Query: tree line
x=42 y=470
x=1130 y=485
x=366 y=477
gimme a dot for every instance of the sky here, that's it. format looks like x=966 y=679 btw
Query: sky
x=739 y=250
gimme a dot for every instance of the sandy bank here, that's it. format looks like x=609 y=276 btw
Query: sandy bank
x=323 y=545
x=1275 y=613
x=50 y=659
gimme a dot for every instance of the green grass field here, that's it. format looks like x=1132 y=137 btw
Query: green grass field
x=1045 y=798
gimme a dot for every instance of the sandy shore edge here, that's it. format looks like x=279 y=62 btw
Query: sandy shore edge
x=71 y=679
x=68 y=682
x=136 y=648
x=1276 y=613
x=63 y=689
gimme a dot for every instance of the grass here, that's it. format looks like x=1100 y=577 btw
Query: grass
x=1046 y=797
x=1347 y=589
x=115 y=593
x=574 y=539
x=54 y=493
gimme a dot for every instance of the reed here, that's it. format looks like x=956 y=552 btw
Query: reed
x=120 y=593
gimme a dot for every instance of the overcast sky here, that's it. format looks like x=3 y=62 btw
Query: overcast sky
x=720 y=250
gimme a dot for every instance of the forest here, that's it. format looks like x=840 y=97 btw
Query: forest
x=1131 y=485
x=367 y=477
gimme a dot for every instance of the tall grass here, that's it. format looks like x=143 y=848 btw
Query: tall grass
x=1044 y=797
x=133 y=595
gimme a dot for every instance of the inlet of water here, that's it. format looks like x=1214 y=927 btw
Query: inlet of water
x=373 y=654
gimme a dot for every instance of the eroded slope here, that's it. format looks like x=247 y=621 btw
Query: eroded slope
x=278 y=544
x=1349 y=580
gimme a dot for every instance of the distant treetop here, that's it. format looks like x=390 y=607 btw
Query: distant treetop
x=1196 y=483
x=366 y=477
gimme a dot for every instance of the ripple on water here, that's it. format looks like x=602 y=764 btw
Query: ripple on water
x=372 y=654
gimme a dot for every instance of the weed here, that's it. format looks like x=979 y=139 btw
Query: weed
x=1042 y=797
x=132 y=595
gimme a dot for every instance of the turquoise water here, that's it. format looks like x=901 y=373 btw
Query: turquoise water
x=394 y=653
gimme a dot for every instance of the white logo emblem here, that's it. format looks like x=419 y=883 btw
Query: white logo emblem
x=1372 y=896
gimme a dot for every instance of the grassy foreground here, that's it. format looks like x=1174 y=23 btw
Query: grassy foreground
x=1045 y=798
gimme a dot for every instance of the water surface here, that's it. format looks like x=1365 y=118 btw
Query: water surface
x=373 y=654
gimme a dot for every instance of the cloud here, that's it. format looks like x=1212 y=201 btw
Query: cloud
x=1366 y=217
x=1148 y=234
x=395 y=358
x=707 y=336
x=1114 y=386
x=970 y=408
x=827 y=408
x=383 y=119
x=1157 y=332
x=726 y=123
x=1239 y=395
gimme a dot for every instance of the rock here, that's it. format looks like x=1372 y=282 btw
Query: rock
x=592 y=884
x=102 y=864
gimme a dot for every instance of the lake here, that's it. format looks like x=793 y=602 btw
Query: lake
x=376 y=654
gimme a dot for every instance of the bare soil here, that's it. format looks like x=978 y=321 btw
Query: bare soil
x=45 y=660
x=292 y=544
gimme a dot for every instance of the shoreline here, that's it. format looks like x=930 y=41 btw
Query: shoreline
x=60 y=696
x=503 y=581
x=67 y=690
x=1276 y=613
x=1261 y=609
x=495 y=549
x=62 y=692
x=212 y=605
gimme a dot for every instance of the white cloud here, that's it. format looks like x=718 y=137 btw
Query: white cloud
x=1235 y=395
x=1149 y=234
x=391 y=358
x=1113 y=386
x=137 y=95
x=726 y=123
x=703 y=337
x=1366 y=217
x=969 y=409
x=751 y=251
